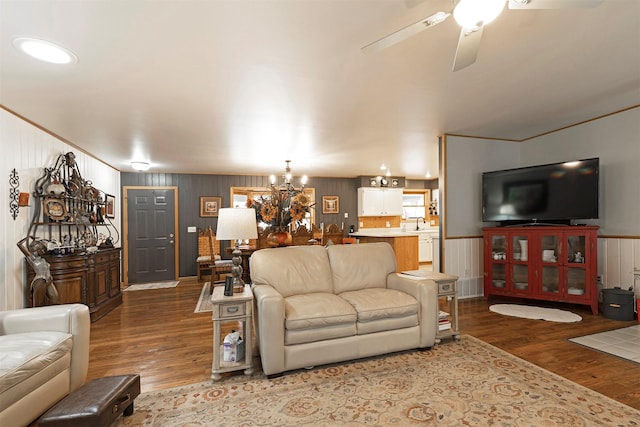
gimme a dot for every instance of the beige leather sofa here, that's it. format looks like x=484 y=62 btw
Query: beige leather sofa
x=316 y=305
x=44 y=355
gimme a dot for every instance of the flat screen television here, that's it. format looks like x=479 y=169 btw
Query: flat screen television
x=555 y=193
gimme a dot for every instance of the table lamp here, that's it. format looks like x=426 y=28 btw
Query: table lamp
x=236 y=224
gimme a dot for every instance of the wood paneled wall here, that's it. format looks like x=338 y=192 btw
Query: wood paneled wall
x=192 y=186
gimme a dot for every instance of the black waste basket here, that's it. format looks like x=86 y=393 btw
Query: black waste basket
x=617 y=304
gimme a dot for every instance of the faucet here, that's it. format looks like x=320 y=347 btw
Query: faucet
x=418 y=219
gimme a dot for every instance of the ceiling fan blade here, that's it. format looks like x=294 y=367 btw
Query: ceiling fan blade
x=552 y=4
x=406 y=32
x=468 y=45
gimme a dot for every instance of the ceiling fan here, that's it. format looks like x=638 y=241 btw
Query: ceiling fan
x=472 y=16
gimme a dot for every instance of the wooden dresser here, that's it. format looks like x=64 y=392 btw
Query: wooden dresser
x=90 y=279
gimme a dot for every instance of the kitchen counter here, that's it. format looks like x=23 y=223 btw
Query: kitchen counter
x=394 y=232
x=405 y=245
x=375 y=232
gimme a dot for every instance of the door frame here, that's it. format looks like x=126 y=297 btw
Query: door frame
x=125 y=228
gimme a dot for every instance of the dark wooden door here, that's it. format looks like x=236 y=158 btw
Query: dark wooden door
x=151 y=235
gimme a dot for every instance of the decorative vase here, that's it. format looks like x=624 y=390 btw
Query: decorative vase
x=279 y=237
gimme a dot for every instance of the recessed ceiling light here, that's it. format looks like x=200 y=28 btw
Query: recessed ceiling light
x=140 y=166
x=44 y=50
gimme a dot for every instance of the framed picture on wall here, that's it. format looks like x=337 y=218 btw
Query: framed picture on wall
x=109 y=206
x=330 y=204
x=210 y=205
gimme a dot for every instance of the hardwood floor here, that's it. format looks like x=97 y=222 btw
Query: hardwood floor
x=156 y=334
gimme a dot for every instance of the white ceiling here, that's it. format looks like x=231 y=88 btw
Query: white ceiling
x=238 y=86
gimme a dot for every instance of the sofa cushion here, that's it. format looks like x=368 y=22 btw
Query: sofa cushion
x=381 y=309
x=361 y=266
x=292 y=270
x=28 y=355
x=23 y=355
x=317 y=316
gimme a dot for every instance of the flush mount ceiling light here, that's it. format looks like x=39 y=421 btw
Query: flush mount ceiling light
x=140 y=166
x=473 y=13
x=45 y=51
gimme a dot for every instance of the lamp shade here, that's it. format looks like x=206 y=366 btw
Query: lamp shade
x=236 y=224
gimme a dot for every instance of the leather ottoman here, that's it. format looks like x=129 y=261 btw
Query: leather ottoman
x=96 y=404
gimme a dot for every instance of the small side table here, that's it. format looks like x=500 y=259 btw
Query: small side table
x=236 y=308
x=447 y=288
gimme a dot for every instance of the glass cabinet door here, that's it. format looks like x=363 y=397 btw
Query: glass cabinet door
x=520 y=262
x=548 y=256
x=498 y=261
x=576 y=258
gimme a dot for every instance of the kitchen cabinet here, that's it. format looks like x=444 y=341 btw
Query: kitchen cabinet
x=542 y=262
x=425 y=247
x=379 y=201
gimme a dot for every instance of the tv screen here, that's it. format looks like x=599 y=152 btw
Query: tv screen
x=553 y=193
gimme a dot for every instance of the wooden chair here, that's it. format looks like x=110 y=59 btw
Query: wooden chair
x=317 y=233
x=302 y=236
x=332 y=233
x=209 y=256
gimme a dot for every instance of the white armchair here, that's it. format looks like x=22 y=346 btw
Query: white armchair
x=44 y=355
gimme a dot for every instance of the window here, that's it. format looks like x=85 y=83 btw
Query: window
x=415 y=203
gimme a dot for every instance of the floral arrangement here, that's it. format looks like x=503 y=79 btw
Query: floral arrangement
x=286 y=205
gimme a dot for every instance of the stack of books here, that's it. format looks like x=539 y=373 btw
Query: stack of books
x=444 y=323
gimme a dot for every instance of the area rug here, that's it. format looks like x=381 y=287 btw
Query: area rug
x=204 y=302
x=622 y=342
x=538 y=313
x=457 y=383
x=154 y=285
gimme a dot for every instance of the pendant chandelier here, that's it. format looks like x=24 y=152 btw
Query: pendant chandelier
x=286 y=179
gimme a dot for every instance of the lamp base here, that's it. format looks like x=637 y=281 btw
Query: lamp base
x=236 y=270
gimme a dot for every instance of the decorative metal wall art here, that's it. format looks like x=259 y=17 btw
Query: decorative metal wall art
x=14 y=193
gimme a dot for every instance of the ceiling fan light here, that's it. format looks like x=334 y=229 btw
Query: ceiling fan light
x=475 y=13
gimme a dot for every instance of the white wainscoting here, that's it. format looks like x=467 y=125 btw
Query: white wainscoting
x=29 y=149
x=463 y=258
x=617 y=258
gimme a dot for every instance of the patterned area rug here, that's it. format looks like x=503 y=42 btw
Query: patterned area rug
x=458 y=383
x=154 y=285
x=537 y=313
x=204 y=302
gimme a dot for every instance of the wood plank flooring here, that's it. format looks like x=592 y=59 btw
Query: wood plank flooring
x=156 y=334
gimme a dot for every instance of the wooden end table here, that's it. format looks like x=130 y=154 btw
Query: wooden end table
x=232 y=309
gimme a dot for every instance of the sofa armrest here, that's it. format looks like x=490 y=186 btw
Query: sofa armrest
x=269 y=324
x=426 y=292
x=69 y=318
